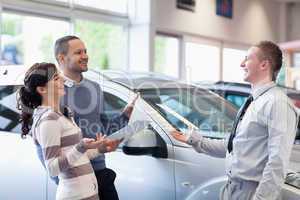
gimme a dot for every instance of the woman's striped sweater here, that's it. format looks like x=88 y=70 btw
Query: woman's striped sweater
x=64 y=154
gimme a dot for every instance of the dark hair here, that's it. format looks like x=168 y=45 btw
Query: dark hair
x=273 y=54
x=28 y=97
x=62 y=45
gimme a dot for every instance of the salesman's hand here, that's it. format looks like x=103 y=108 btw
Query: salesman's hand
x=179 y=136
x=129 y=108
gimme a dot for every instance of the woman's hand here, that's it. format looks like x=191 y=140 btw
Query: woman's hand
x=107 y=145
x=90 y=143
x=112 y=145
x=179 y=136
x=101 y=143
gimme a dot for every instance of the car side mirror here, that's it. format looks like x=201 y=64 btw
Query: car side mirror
x=146 y=142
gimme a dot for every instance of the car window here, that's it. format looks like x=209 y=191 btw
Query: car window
x=237 y=100
x=113 y=105
x=9 y=114
x=191 y=108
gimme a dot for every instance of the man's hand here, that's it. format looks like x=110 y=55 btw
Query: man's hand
x=129 y=108
x=179 y=136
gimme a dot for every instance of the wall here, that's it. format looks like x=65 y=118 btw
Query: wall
x=253 y=20
x=293 y=21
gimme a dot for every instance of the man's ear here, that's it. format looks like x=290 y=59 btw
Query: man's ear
x=41 y=90
x=61 y=58
x=265 y=64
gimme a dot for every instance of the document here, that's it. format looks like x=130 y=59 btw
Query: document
x=126 y=132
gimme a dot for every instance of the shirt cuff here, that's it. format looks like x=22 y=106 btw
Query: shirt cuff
x=193 y=138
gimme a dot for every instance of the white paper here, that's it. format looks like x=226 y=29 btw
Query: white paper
x=126 y=132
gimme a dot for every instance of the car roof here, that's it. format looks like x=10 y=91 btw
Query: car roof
x=145 y=80
x=226 y=86
x=15 y=74
x=243 y=87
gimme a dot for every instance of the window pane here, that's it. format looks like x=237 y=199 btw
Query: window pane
x=113 y=105
x=112 y=5
x=167 y=55
x=192 y=108
x=105 y=43
x=236 y=99
x=26 y=39
x=296 y=59
x=232 y=59
x=202 y=62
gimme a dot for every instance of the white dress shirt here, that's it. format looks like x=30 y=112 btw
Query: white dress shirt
x=263 y=142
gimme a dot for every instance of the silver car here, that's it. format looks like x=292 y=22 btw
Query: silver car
x=151 y=165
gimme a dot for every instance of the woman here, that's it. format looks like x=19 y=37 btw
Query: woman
x=66 y=154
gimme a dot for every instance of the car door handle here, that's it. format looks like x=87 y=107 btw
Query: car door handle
x=187 y=184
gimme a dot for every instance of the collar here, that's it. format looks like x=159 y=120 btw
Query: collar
x=258 y=91
x=70 y=82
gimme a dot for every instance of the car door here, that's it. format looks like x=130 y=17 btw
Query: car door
x=22 y=175
x=139 y=177
x=197 y=176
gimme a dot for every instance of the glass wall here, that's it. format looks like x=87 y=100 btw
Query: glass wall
x=202 y=62
x=296 y=59
x=232 y=59
x=167 y=55
x=105 y=43
x=28 y=39
x=119 y=6
x=28 y=36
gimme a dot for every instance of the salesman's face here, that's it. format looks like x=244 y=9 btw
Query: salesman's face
x=251 y=65
x=76 y=60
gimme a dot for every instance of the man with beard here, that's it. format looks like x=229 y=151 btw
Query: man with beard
x=85 y=98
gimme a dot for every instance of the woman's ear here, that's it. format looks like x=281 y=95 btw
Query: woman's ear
x=41 y=90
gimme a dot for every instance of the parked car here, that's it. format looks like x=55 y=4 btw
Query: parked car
x=151 y=165
x=237 y=93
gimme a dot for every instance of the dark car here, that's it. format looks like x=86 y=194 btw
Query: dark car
x=237 y=93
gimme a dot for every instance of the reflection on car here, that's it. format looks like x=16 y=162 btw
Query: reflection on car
x=151 y=165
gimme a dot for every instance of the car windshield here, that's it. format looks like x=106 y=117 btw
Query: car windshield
x=193 y=108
